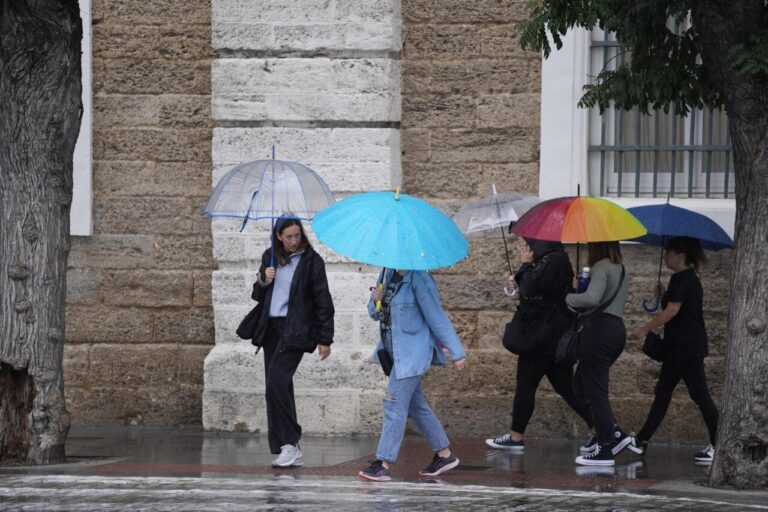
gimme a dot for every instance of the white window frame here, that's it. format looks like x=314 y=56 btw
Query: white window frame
x=81 y=217
x=565 y=134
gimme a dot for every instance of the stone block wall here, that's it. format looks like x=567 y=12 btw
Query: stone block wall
x=139 y=320
x=320 y=80
x=471 y=102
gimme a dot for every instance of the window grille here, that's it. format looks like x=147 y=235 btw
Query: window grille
x=632 y=154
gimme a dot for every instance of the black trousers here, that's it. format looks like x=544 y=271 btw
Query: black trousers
x=601 y=343
x=279 y=368
x=690 y=371
x=530 y=370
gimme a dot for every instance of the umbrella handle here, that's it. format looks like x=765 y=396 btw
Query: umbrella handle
x=651 y=309
x=378 y=302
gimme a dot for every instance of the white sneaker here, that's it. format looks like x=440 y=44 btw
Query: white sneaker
x=705 y=456
x=290 y=455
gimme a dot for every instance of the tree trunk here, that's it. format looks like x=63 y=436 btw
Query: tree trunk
x=40 y=110
x=742 y=438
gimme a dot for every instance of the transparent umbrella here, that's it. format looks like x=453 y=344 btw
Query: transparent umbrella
x=267 y=189
x=493 y=212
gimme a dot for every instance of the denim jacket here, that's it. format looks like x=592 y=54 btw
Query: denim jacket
x=419 y=325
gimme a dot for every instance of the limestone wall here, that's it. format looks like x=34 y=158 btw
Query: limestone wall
x=139 y=321
x=320 y=80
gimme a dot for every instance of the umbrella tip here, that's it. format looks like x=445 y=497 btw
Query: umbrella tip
x=397 y=194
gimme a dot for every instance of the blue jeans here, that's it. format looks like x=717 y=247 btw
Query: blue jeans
x=405 y=400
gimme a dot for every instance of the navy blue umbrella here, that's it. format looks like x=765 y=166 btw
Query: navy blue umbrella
x=665 y=221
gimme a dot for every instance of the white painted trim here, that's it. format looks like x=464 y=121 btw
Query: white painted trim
x=565 y=132
x=563 y=160
x=80 y=219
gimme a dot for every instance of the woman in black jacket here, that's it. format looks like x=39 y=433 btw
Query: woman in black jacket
x=543 y=280
x=296 y=316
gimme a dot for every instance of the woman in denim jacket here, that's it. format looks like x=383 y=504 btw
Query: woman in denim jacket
x=414 y=330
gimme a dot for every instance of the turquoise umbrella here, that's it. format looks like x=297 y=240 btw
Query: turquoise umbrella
x=392 y=230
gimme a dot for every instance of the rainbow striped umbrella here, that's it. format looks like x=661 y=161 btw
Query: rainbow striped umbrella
x=579 y=219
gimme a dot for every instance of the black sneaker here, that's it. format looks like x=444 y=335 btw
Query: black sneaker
x=602 y=456
x=589 y=445
x=637 y=445
x=440 y=465
x=620 y=441
x=505 y=442
x=376 y=472
x=705 y=456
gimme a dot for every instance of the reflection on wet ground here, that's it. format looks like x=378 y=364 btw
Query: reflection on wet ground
x=186 y=470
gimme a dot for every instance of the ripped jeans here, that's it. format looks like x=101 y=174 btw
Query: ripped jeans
x=405 y=400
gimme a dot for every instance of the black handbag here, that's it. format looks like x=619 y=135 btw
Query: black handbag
x=385 y=360
x=568 y=345
x=654 y=347
x=247 y=327
x=567 y=350
x=524 y=337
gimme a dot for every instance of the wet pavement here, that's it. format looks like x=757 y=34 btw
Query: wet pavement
x=189 y=470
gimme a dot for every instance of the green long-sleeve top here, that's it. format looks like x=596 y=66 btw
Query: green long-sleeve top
x=604 y=277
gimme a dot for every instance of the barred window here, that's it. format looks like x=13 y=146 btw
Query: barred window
x=632 y=154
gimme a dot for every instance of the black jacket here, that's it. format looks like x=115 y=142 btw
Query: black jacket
x=310 y=308
x=543 y=286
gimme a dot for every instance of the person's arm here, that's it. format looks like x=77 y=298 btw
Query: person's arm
x=427 y=296
x=594 y=292
x=322 y=303
x=667 y=314
x=261 y=284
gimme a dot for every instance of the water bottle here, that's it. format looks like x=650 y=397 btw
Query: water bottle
x=583 y=280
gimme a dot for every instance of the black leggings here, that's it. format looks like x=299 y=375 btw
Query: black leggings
x=690 y=371
x=279 y=367
x=601 y=342
x=530 y=370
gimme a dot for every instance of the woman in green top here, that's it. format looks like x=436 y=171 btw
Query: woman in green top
x=602 y=340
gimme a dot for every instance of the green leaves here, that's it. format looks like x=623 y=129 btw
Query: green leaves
x=663 y=51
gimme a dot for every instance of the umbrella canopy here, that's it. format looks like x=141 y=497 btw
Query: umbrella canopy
x=263 y=189
x=492 y=212
x=579 y=219
x=495 y=211
x=392 y=230
x=665 y=221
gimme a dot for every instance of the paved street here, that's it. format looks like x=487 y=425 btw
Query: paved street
x=184 y=494
x=186 y=470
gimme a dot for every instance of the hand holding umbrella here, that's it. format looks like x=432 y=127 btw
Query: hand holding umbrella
x=665 y=221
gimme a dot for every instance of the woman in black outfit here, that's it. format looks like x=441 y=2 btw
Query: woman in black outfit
x=543 y=280
x=685 y=338
x=296 y=317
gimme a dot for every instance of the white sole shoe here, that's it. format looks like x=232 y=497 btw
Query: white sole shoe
x=516 y=449
x=621 y=445
x=581 y=461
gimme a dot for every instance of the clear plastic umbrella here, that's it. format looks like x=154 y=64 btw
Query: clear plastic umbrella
x=267 y=189
x=492 y=212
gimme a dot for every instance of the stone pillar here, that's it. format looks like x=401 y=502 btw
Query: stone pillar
x=320 y=80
